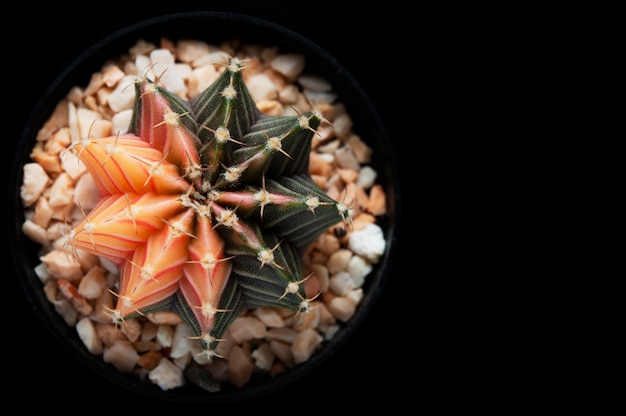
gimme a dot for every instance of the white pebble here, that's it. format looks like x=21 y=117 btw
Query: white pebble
x=358 y=269
x=341 y=283
x=165 y=335
x=163 y=66
x=368 y=242
x=121 y=121
x=181 y=343
x=167 y=375
x=367 y=177
x=123 y=96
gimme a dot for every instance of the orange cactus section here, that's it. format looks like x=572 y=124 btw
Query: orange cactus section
x=119 y=223
x=152 y=273
x=126 y=163
x=205 y=275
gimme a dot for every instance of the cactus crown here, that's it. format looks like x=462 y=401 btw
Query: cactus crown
x=205 y=205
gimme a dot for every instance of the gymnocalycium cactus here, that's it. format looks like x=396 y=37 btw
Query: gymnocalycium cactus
x=205 y=205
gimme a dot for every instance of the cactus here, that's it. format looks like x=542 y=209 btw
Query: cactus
x=206 y=206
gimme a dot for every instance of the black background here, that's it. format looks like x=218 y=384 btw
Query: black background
x=441 y=76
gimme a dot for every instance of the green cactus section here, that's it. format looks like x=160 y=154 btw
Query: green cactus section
x=254 y=168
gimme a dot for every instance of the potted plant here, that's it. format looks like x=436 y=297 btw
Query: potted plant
x=203 y=216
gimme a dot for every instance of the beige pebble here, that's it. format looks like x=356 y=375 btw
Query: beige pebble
x=290 y=65
x=164 y=317
x=200 y=78
x=131 y=328
x=284 y=334
x=305 y=344
x=342 y=124
x=35 y=232
x=263 y=356
x=43 y=213
x=240 y=366
x=58 y=141
x=377 y=204
x=71 y=164
x=214 y=58
x=189 y=50
x=342 y=307
x=321 y=273
x=362 y=151
x=93 y=283
x=58 y=119
x=339 y=260
x=310 y=319
x=86 y=192
x=87 y=333
x=61 y=191
x=102 y=305
x=262 y=88
x=246 y=328
x=121 y=355
x=34 y=182
x=346 y=158
x=109 y=333
x=95 y=83
x=66 y=310
x=283 y=352
x=314 y=83
x=50 y=163
x=269 y=317
x=149 y=332
x=289 y=94
x=62 y=266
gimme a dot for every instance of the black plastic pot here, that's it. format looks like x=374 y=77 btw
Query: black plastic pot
x=212 y=27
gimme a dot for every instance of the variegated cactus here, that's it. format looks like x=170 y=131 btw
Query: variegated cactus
x=206 y=206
